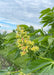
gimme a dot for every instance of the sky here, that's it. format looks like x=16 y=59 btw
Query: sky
x=16 y=12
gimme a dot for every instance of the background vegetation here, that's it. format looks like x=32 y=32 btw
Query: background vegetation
x=40 y=62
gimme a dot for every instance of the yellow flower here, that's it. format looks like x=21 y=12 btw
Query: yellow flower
x=25 y=41
x=22 y=39
x=18 y=40
x=21 y=28
x=35 y=48
x=28 y=37
x=25 y=32
x=18 y=36
x=26 y=48
x=19 y=45
x=22 y=31
x=30 y=42
x=17 y=26
x=21 y=73
x=22 y=53
x=25 y=36
x=23 y=48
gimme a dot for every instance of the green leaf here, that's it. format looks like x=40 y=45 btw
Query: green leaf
x=37 y=65
x=43 y=12
x=50 y=40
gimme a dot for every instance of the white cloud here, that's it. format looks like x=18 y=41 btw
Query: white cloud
x=22 y=11
x=3 y=25
x=45 y=1
x=48 y=3
x=29 y=15
x=18 y=1
x=2 y=30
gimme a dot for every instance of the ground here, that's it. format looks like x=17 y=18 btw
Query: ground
x=3 y=63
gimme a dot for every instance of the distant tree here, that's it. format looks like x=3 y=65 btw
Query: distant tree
x=31 y=28
x=14 y=30
x=1 y=40
x=2 y=35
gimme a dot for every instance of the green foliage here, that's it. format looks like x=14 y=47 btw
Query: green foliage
x=47 y=17
x=37 y=66
x=27 y=28
x=2 y=40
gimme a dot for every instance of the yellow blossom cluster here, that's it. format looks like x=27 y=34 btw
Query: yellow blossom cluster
x=23 y=41
x=21 y=73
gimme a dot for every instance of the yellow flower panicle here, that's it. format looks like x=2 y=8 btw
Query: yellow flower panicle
x=23 y=41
